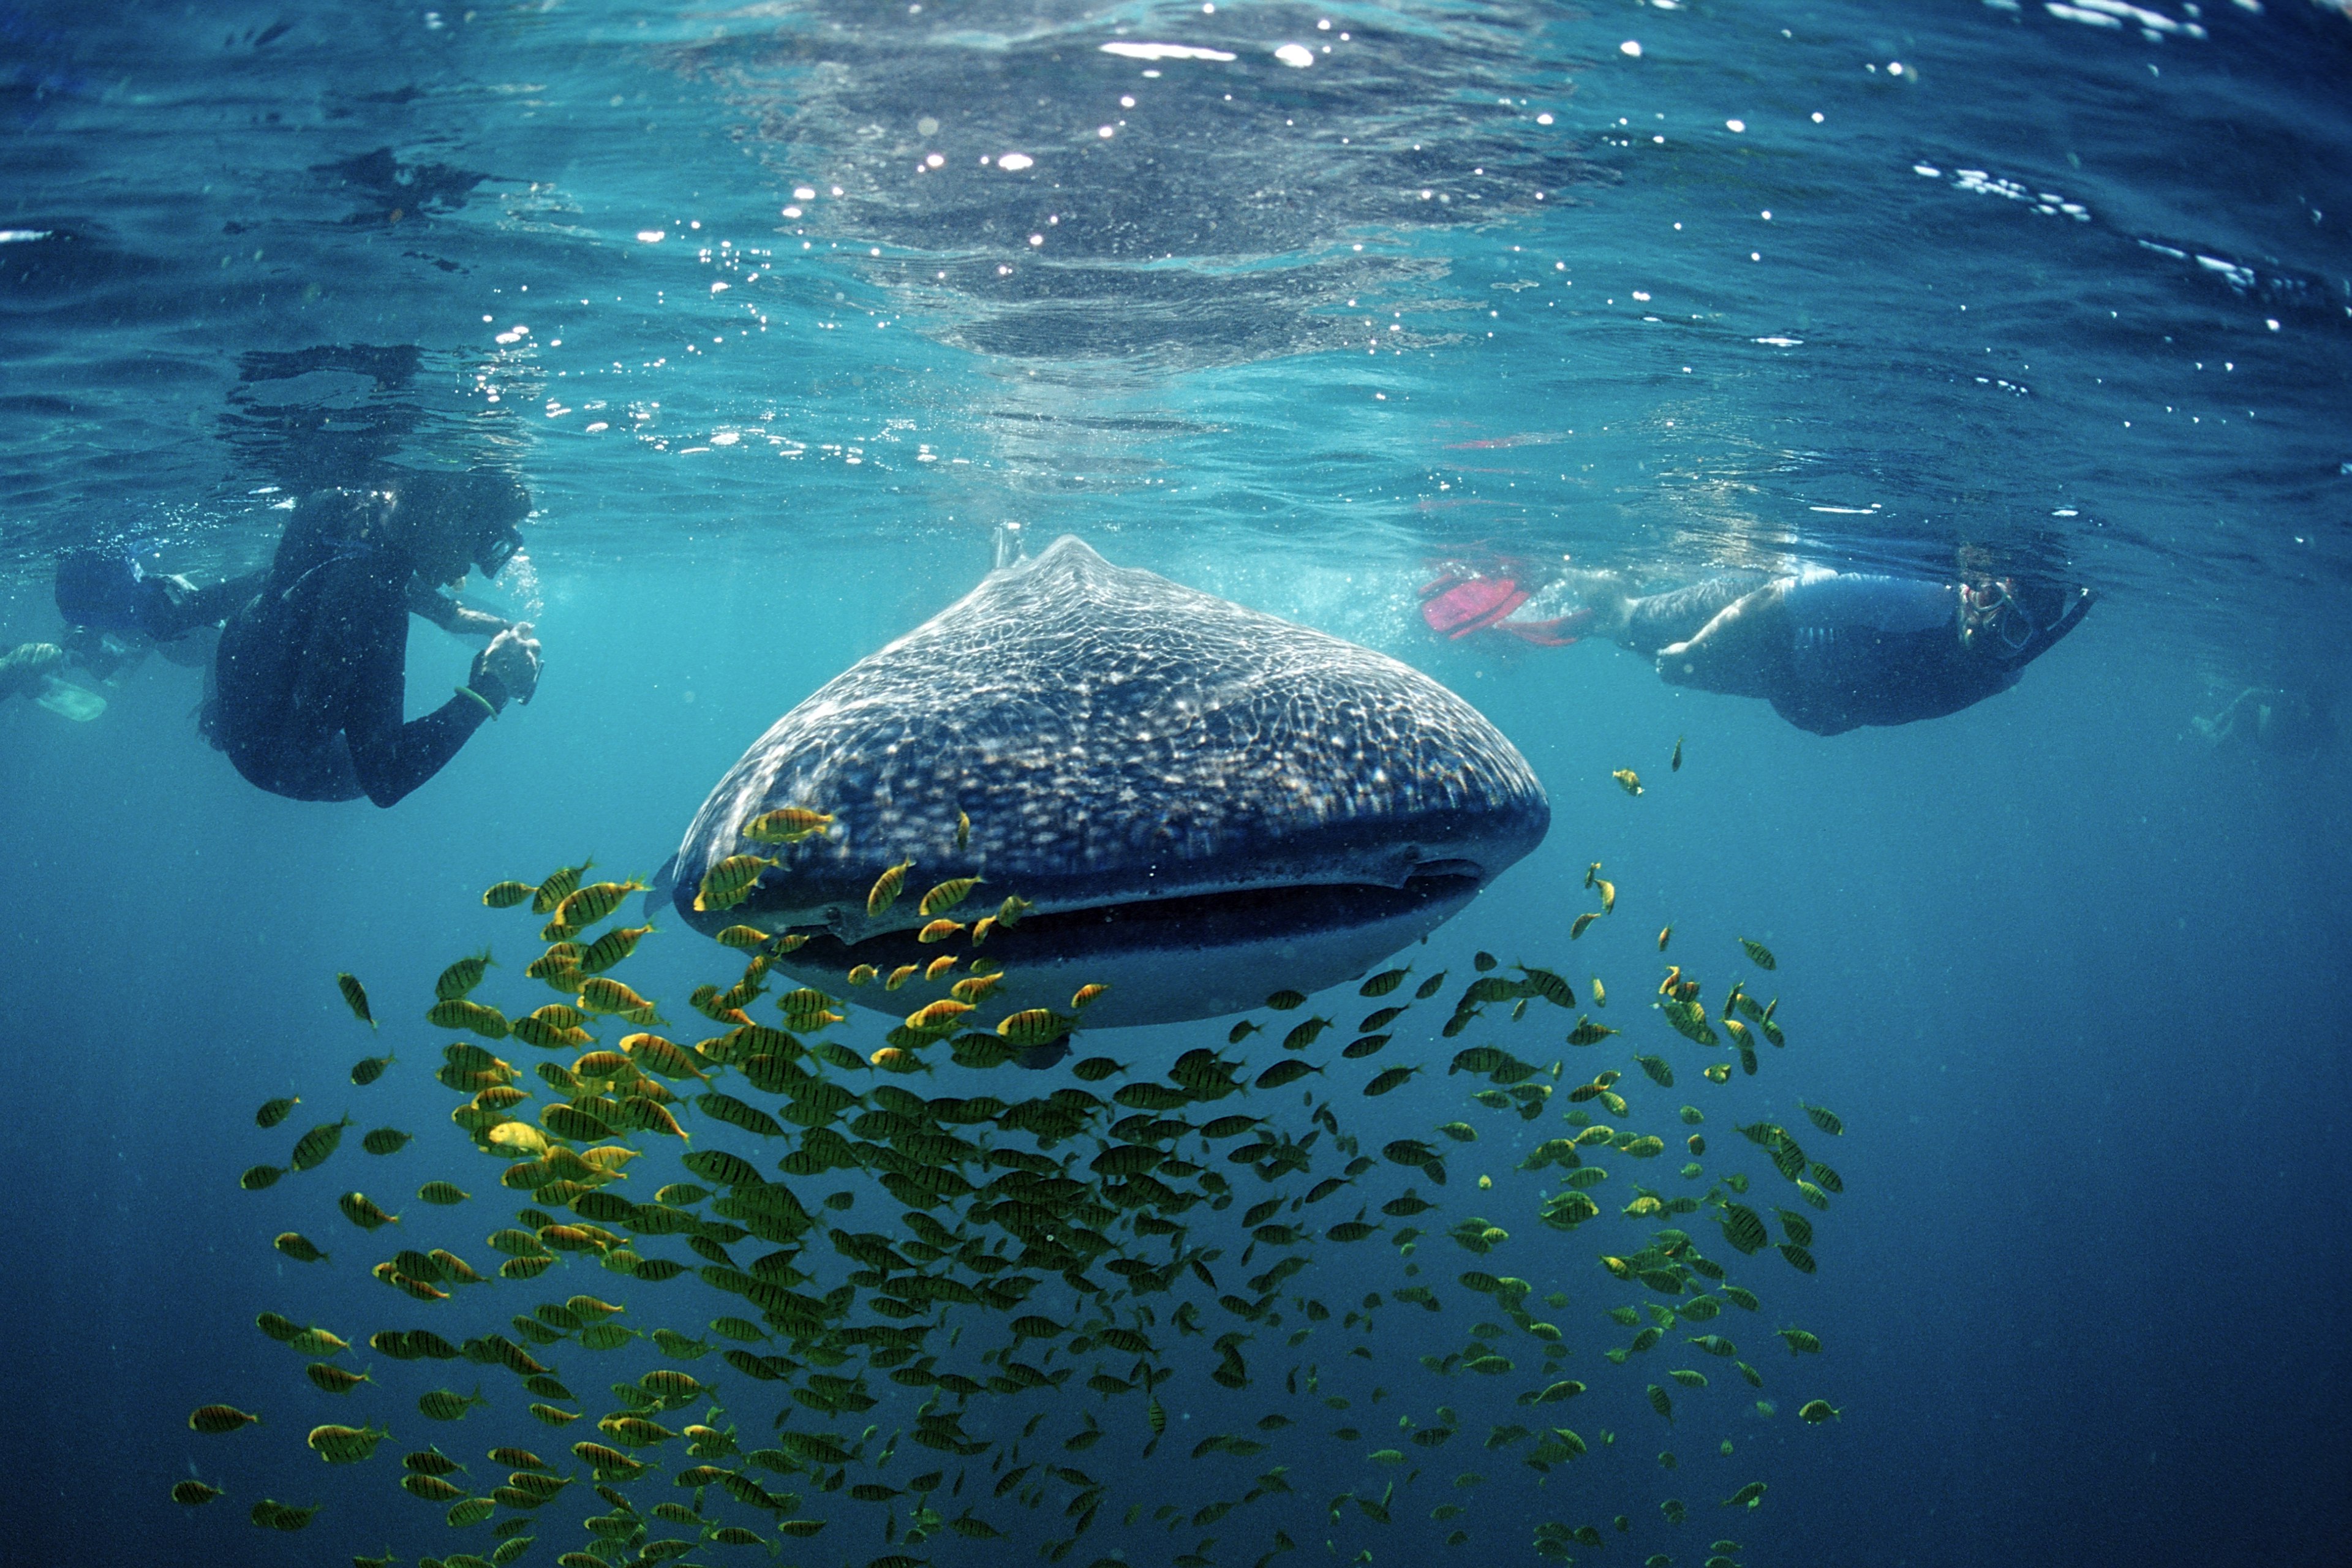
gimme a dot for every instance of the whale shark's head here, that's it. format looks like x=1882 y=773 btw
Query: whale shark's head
x=1201 y=803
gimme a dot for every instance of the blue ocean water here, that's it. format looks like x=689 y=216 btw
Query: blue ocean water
x=1657 y=290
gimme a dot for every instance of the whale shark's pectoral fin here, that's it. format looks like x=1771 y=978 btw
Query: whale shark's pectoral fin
x=1036 y=1059
x=657 y=897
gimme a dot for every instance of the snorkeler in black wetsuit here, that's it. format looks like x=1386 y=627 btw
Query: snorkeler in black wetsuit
x=311 y=671
x=1835 y=650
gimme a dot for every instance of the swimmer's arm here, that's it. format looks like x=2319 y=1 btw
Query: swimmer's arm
x=450 y=615
x=389 y=756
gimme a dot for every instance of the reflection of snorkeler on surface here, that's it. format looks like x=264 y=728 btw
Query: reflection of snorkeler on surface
x=1830 y=650
x=2272 y=720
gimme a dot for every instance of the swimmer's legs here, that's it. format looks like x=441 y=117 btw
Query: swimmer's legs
x=1739 y=652
x=1648 y=624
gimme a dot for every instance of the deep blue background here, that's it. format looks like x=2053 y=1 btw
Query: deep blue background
x=2064 y=973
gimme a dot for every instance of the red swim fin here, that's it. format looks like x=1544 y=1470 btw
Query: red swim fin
x=1473 y=605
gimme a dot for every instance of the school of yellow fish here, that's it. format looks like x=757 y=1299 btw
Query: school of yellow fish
x=772 y=1226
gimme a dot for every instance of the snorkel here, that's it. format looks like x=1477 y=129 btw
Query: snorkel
x=1990 y=609
x=447 y=522
x=496 y=548
x=1995 y=621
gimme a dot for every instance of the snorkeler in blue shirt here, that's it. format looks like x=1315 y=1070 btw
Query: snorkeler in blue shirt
x=1832 y=651
x=115 y=610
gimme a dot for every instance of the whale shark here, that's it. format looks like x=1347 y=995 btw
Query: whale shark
x=1201 y=804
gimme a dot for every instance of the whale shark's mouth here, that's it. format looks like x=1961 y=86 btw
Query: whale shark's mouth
x=1198 y=922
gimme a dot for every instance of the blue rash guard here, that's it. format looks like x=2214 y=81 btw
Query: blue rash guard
x=1866 y=649
x=1834 y=651
x=313 y=672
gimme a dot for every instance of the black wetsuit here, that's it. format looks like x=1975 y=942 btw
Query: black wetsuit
x=312 y=676
x=1838 y=651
